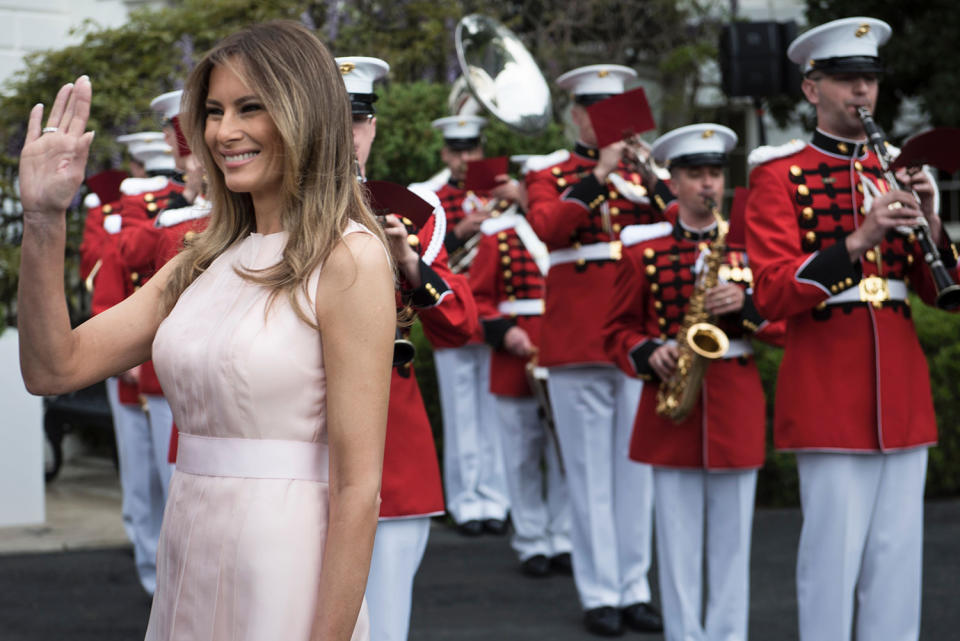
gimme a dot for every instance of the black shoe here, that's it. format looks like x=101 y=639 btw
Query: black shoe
x=643 y=617
x=562 y=563
x=495 y=526
x=470 y=528
x=537 y=566
x=604 y=621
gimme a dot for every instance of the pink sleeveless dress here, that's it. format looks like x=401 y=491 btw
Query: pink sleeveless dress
x=246 y=521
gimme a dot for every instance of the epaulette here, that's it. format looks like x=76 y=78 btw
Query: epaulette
x=434 y=182
x=170 y=217
x=497 y=224
x=539 y=163
x=633 y=234
x=91 y=200
x=765 y=154
x=134 y=186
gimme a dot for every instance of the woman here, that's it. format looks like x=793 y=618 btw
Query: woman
x=269 y=361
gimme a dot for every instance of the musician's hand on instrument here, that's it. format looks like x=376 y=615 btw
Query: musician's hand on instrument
x=663 y=361
x=510 y=189
x=53 y=158
x=891 y=210
x=470 y=224
x=917 y=180
x=517 y=342
x=610 y=157
x=406 y=259
x=724 y=299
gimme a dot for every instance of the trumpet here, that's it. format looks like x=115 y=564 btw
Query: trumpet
x=948 y=292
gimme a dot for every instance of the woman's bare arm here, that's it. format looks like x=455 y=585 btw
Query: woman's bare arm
x=356 y=308
x=54 y=358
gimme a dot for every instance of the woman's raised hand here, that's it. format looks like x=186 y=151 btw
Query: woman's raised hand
x=53 y=158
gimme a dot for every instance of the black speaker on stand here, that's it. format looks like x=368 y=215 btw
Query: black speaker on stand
x=754 y=63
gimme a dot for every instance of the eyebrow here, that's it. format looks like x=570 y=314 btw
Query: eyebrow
x=238 y=101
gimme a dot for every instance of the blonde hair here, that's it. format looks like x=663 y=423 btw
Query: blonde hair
x=301 y=88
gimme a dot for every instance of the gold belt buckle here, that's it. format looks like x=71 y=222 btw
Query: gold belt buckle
x=616 y=250
x=874 y=290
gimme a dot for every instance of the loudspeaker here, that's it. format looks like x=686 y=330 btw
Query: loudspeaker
x=753 y=60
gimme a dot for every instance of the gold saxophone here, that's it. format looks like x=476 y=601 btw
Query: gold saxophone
x=699 y=341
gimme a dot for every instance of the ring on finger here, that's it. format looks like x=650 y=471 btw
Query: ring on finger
x=895 y=205
x=49 y=130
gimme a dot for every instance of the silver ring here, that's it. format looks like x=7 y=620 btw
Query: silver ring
x=48 y=130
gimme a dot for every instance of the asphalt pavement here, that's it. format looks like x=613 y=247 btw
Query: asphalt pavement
x=466 y=589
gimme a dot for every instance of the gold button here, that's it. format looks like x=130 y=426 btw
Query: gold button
x=107 y=209
x=614 y=211
x=803 y=190
x=857 y=165
x=556 y=171
x=152 y=207
x=581 y=262
x=576 y=245
x=863 y=210
x=616 y=228
x=507 y=273
x=909 y=259
x=649 y=253
x=502 y=204
x=509 y=289
x=871 y=255
x=833 y=288
x=189 y=236
x=562 y=182
x=412 y=240
x=701 y=246
x=810 y=237
x=651 y=270
x=613 y=194
x=657 y=304
x=911 y=238
x=654 y=287
x=860 y=187
x=662 y=322
x=848 y=281
x=502 y=235
x=795 y=170
x=807 y=213
x=134 y=276
x=842 y=147
x=503 y=247
x=822 y=305
x=505 y=260
x=149 y=198
x=406 y=221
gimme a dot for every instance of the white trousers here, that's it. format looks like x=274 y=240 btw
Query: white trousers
x=539 y=504
x=140 y=483
x=473 y=475
x=397 y=552
x=161 y=426
x=683 y=498
x=611 y=497
x=862 y=538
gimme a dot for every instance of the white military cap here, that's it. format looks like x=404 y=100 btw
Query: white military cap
x=460 y=132
x=167 y=104
x=593 y=83
x=140 y=137
x=154 y=156
x=846 y=45
x=694 y=146
x=359 y=73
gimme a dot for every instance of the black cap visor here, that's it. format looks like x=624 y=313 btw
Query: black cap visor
x=712 y=159
x=361 y=104
x=849 y=64
x=461 y=144
x=587 y=99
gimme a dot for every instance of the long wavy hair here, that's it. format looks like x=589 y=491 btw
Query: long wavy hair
x=301 y=88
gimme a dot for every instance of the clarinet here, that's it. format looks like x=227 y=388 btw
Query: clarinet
x=948 y=292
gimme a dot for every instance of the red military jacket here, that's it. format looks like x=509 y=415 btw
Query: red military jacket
x=147 y=197
x=411 y=483
x=853 y=376
x=571 y=213
x=654 y=282
x=509 y=287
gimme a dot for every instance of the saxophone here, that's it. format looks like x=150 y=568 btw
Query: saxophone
x=699 y=341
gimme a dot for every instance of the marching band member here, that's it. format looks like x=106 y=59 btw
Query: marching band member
x=507 y=279
x=411 y=490
x=474 y=479
x=576 y=206
x=705 y=465
x=827 y=258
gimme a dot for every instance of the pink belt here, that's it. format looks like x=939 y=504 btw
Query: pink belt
x=252 y=458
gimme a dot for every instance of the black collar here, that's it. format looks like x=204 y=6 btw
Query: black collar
x=694 y=235
x=587 y=152
x=839 y=146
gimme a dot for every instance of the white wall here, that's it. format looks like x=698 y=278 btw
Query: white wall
x=45 y=24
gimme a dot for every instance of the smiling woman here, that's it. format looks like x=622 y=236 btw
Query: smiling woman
x=272 y=510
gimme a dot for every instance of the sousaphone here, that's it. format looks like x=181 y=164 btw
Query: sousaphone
x=501 y=75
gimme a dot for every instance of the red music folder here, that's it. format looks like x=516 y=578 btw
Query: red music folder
x=621 y=116
x=938 y=148
x=482 y=174
x=390 y=198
